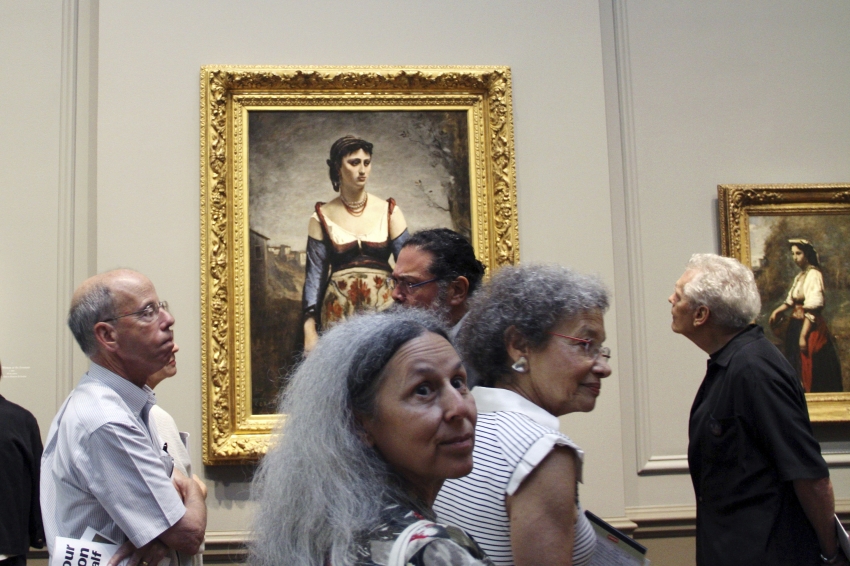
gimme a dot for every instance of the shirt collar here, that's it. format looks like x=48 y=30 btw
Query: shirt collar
x=135 y=397
x=722 y=356
x=456 y=328
x=492 y=399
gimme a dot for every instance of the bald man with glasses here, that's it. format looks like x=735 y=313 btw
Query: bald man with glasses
x=104 y=466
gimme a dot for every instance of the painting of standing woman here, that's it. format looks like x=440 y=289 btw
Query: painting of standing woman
x=333 y=196
x=802 y=269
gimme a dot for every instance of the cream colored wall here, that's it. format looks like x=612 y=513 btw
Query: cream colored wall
x=30 y=51
x=710 y=93
x=150 y=55
x=626 y=118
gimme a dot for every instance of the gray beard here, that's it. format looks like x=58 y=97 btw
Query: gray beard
x=438 y=308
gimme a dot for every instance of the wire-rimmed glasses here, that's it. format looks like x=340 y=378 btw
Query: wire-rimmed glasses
x=148 y=314
x=590 y=349
x=405 y=286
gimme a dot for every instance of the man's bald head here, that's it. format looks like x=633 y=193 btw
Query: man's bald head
x=95 y=300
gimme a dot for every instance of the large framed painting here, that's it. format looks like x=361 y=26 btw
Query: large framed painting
x=441 y=155
x=796 y=238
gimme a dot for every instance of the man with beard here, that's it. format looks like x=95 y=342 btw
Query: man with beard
x=437 y=270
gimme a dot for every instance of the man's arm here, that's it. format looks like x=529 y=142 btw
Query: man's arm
x=130 y=482
x=187 y=534
x=148 y=555
x=818 y=502
x=157 y=549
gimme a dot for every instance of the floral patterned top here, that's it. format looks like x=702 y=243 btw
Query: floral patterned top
x=434 y=545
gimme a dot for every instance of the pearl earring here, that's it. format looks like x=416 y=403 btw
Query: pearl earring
x=521 y=365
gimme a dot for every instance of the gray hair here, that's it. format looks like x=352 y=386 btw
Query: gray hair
x=321 y=485
x=533 y=299
x=726 y=287
x=94 y=305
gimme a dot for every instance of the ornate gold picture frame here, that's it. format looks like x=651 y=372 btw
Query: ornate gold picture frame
x=759 y=225
x=253 y=123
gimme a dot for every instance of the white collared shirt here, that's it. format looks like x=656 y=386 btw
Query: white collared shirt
x=103 y=466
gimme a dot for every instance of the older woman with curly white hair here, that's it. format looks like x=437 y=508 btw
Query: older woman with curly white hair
x=534 y=335
x=376 y=419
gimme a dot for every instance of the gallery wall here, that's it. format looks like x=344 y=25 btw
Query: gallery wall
x=626 y=119
x=709 y=93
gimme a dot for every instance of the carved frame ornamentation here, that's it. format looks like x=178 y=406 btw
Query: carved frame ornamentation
x=231 y=434
x=738 y=203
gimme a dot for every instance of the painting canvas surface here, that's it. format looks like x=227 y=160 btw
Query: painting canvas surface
x=775 y=270
x=420 y=159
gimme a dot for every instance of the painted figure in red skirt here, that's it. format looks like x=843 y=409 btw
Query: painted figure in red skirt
x=809 y=345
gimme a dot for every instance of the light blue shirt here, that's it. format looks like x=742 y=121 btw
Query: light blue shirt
x=103 y=466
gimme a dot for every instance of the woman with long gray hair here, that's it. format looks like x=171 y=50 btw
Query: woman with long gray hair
x=534 y=337
x=377 y=417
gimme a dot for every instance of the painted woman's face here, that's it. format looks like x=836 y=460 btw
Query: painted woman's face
x=354 y=171
x=799 y=257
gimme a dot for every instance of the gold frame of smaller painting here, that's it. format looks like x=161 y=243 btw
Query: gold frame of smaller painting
x=756 y=222
x=232 y=433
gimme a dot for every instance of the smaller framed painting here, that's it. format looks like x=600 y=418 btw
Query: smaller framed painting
x=796 y=239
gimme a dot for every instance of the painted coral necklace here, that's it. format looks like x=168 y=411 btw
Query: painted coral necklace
x=355 y=208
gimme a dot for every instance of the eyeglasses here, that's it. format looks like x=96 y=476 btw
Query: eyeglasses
x=405 y=286
x=147 y=314
x=591 y=351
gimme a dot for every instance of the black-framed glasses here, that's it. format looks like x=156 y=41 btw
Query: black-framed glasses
x=406 y=286
x=590 y=350
x=148 y=314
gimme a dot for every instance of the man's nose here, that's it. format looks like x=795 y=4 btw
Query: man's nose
x=397 y=295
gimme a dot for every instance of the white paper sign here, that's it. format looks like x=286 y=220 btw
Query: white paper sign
x=74 y=552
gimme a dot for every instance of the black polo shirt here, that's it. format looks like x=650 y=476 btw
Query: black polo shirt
x=20 y=462
x=750 y=436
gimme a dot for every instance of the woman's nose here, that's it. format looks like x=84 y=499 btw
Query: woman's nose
x=602 y=367
x=457 y=405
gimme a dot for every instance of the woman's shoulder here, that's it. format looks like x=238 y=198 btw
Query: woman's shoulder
x=446 y=545
x=812 y=273
x=405 y=534
x=438 y=544
x=514 y=427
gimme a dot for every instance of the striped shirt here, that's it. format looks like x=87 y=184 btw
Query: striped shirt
x=512 y=437
x=104 y=468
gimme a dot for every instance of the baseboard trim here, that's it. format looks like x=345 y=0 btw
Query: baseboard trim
x=656 y=521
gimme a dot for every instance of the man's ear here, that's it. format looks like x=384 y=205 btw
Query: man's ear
x=458 y=291
x=701 y=314
x=515 y=344
x=106 y=336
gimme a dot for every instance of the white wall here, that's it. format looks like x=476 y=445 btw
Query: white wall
x=626 y=119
